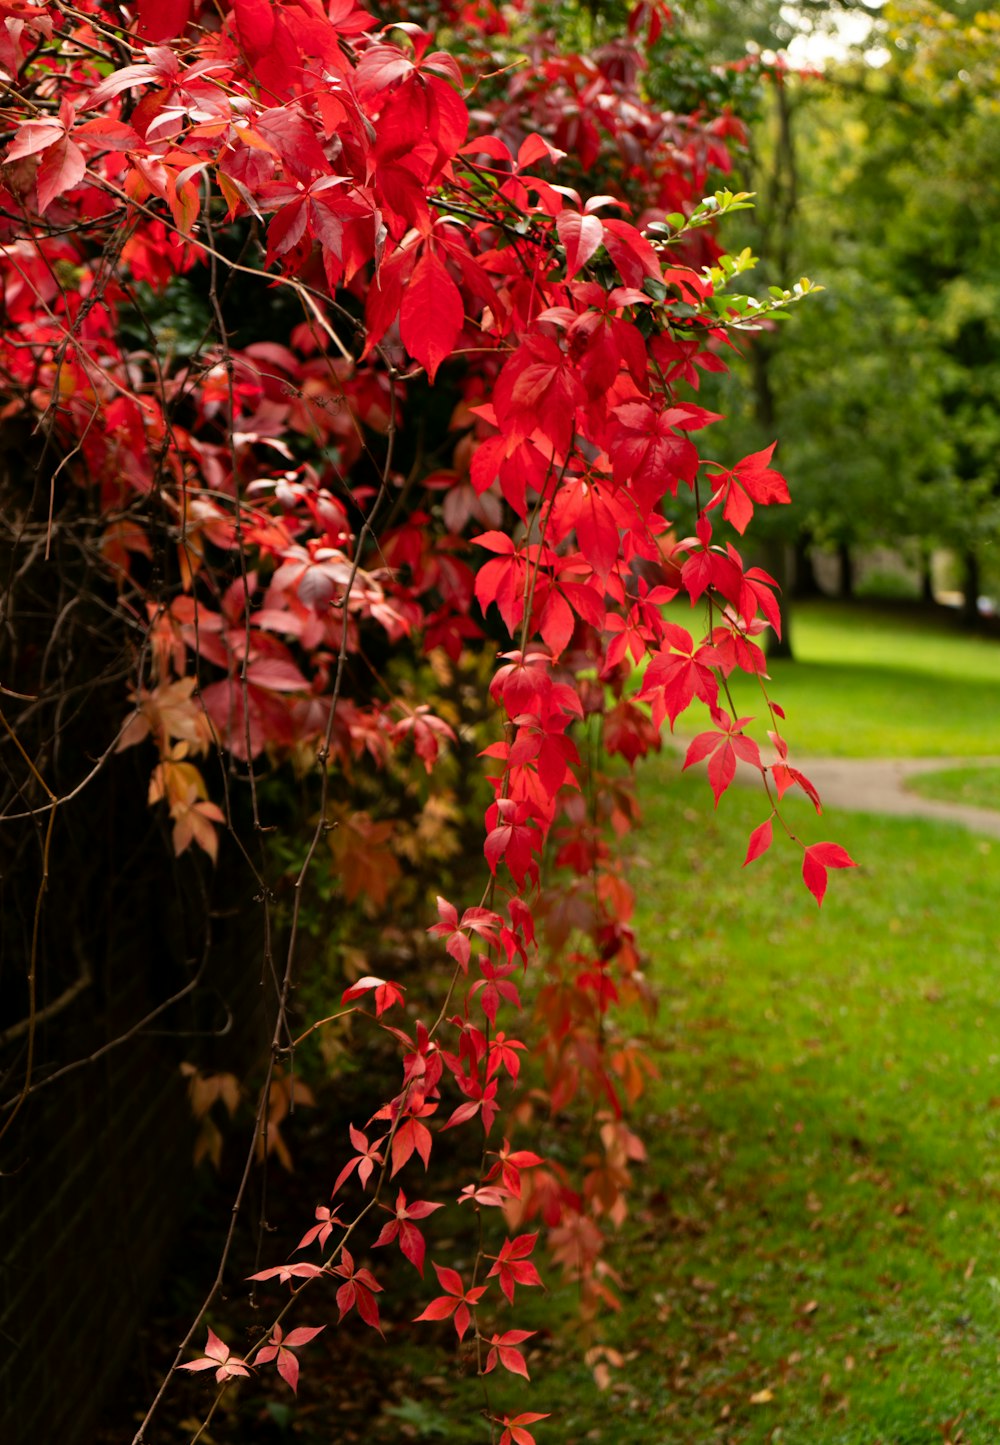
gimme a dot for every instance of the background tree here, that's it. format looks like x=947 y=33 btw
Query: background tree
x=886 y=387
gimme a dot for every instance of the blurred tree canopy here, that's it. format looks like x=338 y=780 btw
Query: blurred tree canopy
x=877 y=179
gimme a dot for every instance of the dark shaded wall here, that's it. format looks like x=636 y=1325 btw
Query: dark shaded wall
x=95 y=1169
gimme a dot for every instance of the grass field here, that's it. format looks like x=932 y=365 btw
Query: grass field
x=827 y=1140
x=871 y=682
x=978 y=787
x=813 y=1255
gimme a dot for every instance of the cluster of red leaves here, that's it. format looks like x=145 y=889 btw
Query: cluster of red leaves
x=418 y=235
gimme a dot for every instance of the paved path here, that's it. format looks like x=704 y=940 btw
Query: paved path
x=878 y=785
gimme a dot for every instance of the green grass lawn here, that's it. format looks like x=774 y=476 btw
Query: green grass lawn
x=976 y=787
x=879 y=682
x=813 y=1253
x=826 y=1142
x=820 y=1221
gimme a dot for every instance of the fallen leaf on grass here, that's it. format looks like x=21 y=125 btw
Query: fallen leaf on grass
x=762 y=1397
x=951 y=1431
x=601 y=1358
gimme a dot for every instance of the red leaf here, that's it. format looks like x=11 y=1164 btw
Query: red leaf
x=279 y=674
x=255 y=24
x=288 y=1271
x=514 y=1432
x=751 y=480
x=387 y=994
x=166 y=65
x=535 y=148
x=411 y=1242
x=786 y=777
x=215 y=1348
x=582 y=237
x=286 y=229
x=488 y=145
x=513 y=1361
x=722 y=748
x=596 y=515
x=760 y=841
x=502 y=1351
x=62 y=168
x=360 y=1289
x=163 y=19
x=432 y=314
x=513 y=841
x=464 y=1113
x=674 y=679
x=818 y=858
x=108 y=134
x=302 y=1335
x=34 y=136
x=382 y=301
x=441 y=1308
x=380 y=67
x=648 y=454
x=288 y=1369
x=631 y=252
x=538 y=388
x=367 y=1308
x=217 y=1357
x=513 y=1266
x=456 y=1301
x=410 y=1136
x=557 y=623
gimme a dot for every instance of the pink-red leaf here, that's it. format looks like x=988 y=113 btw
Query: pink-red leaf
x=62 y=167
x=760 y=841
x=514 y=1432
x=302 y=1335
x=581 y=236
x=502 y=1352
x=817 y=859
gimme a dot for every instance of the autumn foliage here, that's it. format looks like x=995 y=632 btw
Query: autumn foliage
x=385 y=237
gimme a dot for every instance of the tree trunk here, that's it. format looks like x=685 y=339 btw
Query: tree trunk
x=777 y=558
x=804 y=580
x=846 y=571
x=971 y=586
x=926 y=579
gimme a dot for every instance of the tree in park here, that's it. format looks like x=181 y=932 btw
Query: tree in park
x=920 y=198
x=877 y=177
x=335 y=368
